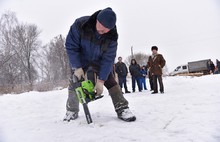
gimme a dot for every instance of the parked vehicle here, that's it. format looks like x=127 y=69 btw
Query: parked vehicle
x=200 y=67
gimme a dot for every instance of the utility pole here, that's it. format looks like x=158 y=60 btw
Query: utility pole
x=132 y=54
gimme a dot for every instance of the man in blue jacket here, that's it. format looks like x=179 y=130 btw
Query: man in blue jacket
x=91 y=44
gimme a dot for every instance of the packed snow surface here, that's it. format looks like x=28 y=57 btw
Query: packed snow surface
x=188 y=111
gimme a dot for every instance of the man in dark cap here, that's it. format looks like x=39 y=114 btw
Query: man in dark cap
x=91 y=45
x=156 y=63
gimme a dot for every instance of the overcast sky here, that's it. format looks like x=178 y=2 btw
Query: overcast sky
x=183 y=30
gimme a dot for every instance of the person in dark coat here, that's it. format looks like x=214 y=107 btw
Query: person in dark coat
x=134 y=69
x=122 y=71
x=211 y=67
x=156 y=64
x=143 y=78
x=91 y=45
x=217 y=68
x=218 y=64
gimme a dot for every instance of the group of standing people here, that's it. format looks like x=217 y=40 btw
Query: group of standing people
x=153 y=70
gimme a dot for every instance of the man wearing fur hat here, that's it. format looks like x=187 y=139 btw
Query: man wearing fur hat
x=156 y=62
x=91 y=45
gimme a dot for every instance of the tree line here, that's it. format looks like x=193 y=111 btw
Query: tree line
x=26 y=64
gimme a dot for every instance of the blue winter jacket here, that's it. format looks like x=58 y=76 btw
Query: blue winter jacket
x=85 y=47
x=143 y=73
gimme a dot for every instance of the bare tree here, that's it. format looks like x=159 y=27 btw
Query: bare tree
x=19 y=44
x=141 y=59
x=7 y=22
x=8 y=69
x=56 y=65
x=25 y=44
x=21 y=63
x=44 y=65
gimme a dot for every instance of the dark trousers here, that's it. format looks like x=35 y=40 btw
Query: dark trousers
x=151 y=82
x=143 y=83
x=122 y=81
x=114 y=90
x=91 y=75
x=135 y=79
x=159 y=78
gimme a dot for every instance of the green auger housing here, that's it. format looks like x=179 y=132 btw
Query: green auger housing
x=85 y=93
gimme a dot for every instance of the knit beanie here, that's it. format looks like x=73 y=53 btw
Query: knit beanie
x=107 y=18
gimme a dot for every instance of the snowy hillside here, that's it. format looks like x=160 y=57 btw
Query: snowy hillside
x=189 y=111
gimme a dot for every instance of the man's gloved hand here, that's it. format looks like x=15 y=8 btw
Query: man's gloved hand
x=99 y=87
x=79 y=73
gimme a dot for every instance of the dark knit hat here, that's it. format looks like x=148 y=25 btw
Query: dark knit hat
x=107 y=18
x=154 y=48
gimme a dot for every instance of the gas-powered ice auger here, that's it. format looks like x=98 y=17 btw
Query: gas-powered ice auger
x=85 y=94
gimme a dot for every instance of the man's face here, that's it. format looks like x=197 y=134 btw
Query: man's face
x=154 y=51
x=120 y=59
x=100 y=28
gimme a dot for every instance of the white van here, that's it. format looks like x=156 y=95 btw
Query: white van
x=180 y=70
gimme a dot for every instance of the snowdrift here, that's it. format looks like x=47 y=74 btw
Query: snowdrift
x=189 y=111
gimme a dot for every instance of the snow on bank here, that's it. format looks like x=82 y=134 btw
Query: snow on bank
x=189 y=111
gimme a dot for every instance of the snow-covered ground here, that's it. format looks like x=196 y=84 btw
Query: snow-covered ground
x=189 y=111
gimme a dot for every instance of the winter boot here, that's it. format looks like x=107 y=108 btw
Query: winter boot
x=126 y=91
x=120 y=104
x=70 y=116
x=126 y=115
